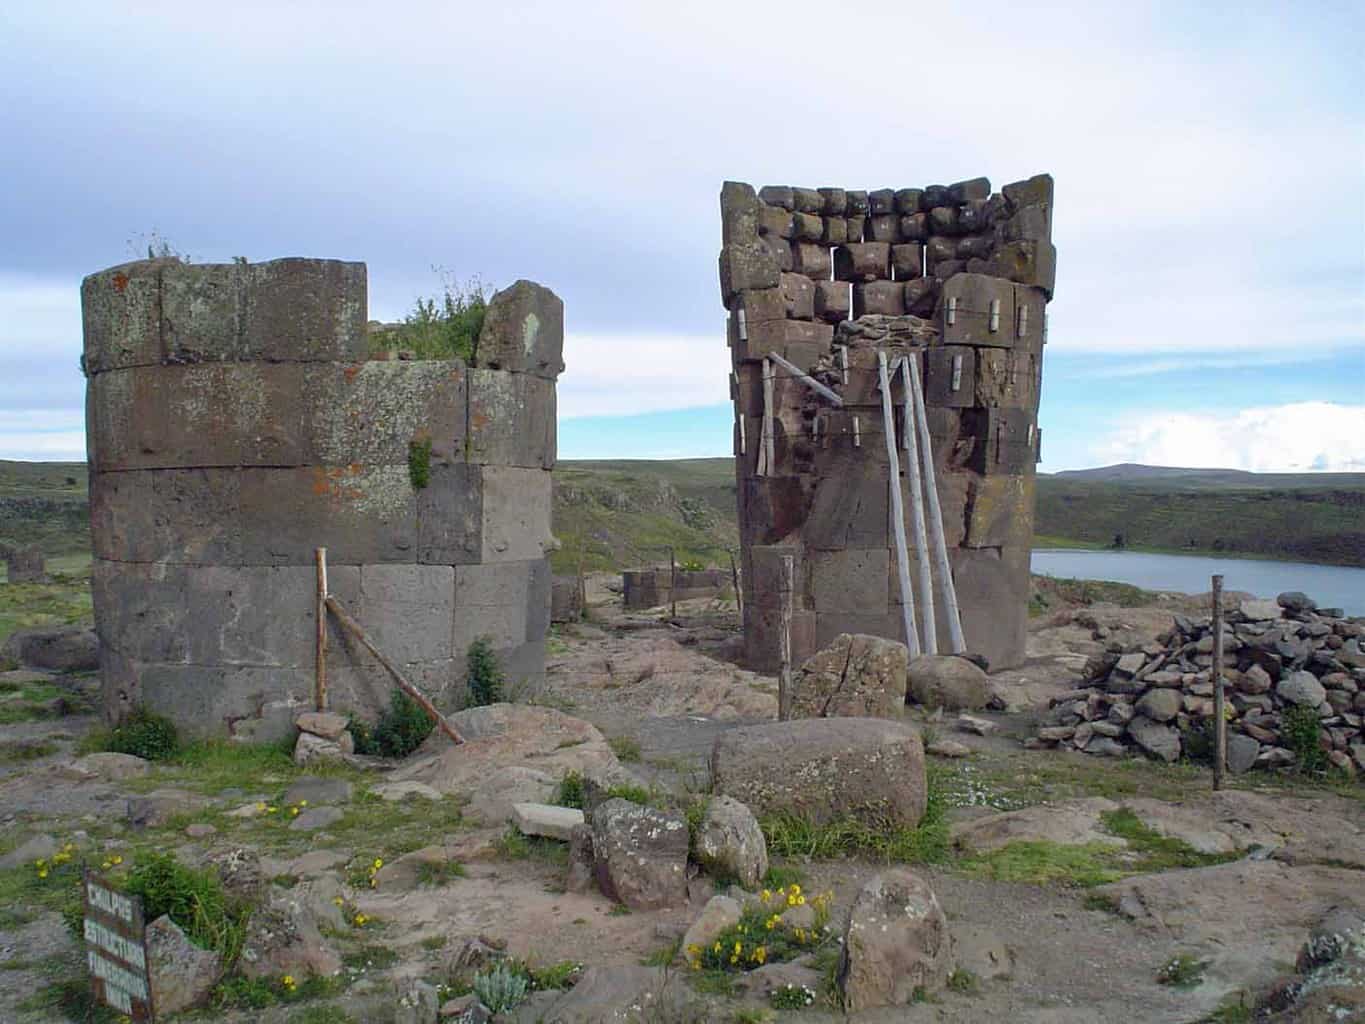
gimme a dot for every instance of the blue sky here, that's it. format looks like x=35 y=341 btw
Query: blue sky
x=1210 y=164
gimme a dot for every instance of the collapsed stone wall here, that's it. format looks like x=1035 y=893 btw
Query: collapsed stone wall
x=652 y=588
x=956 y=277
x=235 y=423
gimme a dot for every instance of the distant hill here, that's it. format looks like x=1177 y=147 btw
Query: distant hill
x=612 y=514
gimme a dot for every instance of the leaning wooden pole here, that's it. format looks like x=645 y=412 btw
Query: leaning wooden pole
x=784 y=678
x=1220 y=725
x=897 y=510
x=320 y=679
x=357 y=631
x=937 y=544
x=924 y=577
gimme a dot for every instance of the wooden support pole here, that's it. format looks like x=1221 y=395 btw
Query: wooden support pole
x=1220 y=725
x=924 y=577
x=784 y=678
x=320 y=680
x=673 y=582
x=807 y=379
x=766 y=457
x=357 y=631
x=739 y=594
x=937 y=545
x=897 y=510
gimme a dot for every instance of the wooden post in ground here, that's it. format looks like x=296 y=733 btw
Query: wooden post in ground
x=320 y=680
x=673 y=581
x=784 y=678
x=923 y=575
x=897 y=510
x=1220 y=725
x=357 y=631
x=739 y=595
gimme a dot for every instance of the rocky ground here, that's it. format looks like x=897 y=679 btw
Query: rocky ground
x=1076 y=888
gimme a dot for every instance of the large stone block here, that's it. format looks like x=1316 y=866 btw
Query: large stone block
x=492 y=601
x=745 y=268
x=738 y=213
x=849 y=507
x=121 y=312
x=836 y=201
x=883 y=298
x=409 y=610
x=779 y=249
x=1004 y=440
x=140 y=610
x=799 y=293
x=209 y=700
x=197 y=415
x=1029 y=261
x=250 y=615
x=203 y=311
x=992 y=594
x=907 y=261
x=167 y=515
x=360 y=514
x=850 y=581
x=836 y=231
x=511 y=419
x=516 y=514
x=1004 y=378
x=973 y=188
x=1000 y=512
x=778 y=195
x=764 y=565
x=949 y=376
x=538 y=600
x=862 y=261
x=775 y=221
x=771 y=508
x=373 y=412
x=450 y=515
x=523 y=331
x=885 y=228
x=811 y=259
x=833 y=301
x=976 y=309
x=1033 y=191
x=1030 y=318
x=808 y=227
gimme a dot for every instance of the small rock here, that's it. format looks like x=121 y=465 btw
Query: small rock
x=327 y=724
x=393 y=791
x=56 y=648
x=318 y=790
x=281 y=938
x=310 y=747
x=947 y=681
x=315 y=818
x=546 y=820
x=979 y=726
x=1161 y=741
x=896 y=945
x=465 y=1010
x=730 y=842
x=1259 y=611
x=640 y=854
x=581 y=862
x=418 y=1004
x=1254 y=680
x=949 y=748
x=1103 y=746
x=720 y=912
x=1160 y=705
x=199 y=830
x=1301 y=688
x=159 y=806
x=182 y=975
x=1242 y=753
x=1296 y=601
x=111 y=766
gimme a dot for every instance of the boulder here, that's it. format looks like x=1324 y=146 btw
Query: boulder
x=949 y=748
x=309 y=748
x=1296 y=602
x=394 y=791
x=1160 y=704
x=1242 y=753
x=947 y=681
x=896 y=944
x=157 y=808
x=1158 y=740
x=1301 y=688
x=824 y=769
x=1070 y=823
x=318 y=790
x=546 y=820
x=418 y=1003
x=640 y=854
x=720 y=912
x=282 y=938
x=314 y=818
x=582 y=867
x=182 y=975
x=856 y=676
x=327 y=724
x=465 y=1009
x=492 y=799
x=55 y=648
x=1258 y=611
x=730 y=843
x=110 y=766
x=39 y=847
x=612 y=994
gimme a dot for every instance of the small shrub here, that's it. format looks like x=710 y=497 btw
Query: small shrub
x=145 y=735
x=962 y=980
x=625 y=748
x=1182 y=971
x=440 y=328
x=194 y=900
x=419 y=463
x=792 y=997
x=781 y=877
x=501 y=988
x=401 y=729
x=1197 y=743
x=570 y=792
x=439 y=874
x=635 y=794
x=485 y=674
x=1299 y=729
x=763 y=935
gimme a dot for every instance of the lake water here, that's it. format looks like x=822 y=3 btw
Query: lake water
x=1332 y=586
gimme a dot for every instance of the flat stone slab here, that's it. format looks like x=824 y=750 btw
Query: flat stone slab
x=315 y=818
x=318 y=790
x=546 y=820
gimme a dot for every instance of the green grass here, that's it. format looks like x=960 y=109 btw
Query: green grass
x=1182 y=971
x=439 y=874
x=1153 y=851
x=31 y=702
x=63 y=602
x=625 y=748
x=512 y=845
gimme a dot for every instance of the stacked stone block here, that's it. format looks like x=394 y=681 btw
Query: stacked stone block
x=235 y=424
x=956 y=277
x=653 y=588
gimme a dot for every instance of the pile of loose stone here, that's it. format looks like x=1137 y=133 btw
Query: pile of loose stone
x=1277 y=655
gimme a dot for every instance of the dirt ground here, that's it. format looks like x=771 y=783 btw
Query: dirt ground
x=662 y=690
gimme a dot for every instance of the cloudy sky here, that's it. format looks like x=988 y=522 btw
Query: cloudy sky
x=1209 y=159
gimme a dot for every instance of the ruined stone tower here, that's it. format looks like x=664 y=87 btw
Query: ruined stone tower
x=955 y=277
x=236 y=422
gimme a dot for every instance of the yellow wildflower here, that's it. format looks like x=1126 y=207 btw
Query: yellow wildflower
x=800 y=901
x=42 y=872
x=271 y=809
x=303 y=803
x=734 y=959
x=116 y=859
x=766 y=895
x=796 y=889
x=715 y=948
x=294 y=811
x=337 y=900
x=360 y=920
x=378 y=863
x=260 y=806
x=761 y=954
x=106 y=865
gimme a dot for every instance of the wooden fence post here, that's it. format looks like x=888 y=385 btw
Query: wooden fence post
x=784 y=679
x=673 y=581
x=320 y=680
x=739 y=595
x=1220 y=726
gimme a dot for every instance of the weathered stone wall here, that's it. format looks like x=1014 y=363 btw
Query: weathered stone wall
x=652 y=588
x=235 y=424
x=955 y=276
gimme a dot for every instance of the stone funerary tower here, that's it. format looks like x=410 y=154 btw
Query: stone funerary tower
x=236 y=422
x=955 y=277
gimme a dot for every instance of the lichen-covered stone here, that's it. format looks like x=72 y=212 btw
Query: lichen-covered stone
x=857 y=676
x=896 y=944
x=640 y=854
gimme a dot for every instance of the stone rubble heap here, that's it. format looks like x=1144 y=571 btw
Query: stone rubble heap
x=1277 y=655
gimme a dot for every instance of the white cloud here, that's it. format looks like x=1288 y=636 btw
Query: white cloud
x=1299 y=437
x=621 y=374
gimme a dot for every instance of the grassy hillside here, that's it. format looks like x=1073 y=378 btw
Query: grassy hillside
x=617 y=514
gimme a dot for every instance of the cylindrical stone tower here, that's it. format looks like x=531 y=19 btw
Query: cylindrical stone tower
x=235 y=423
